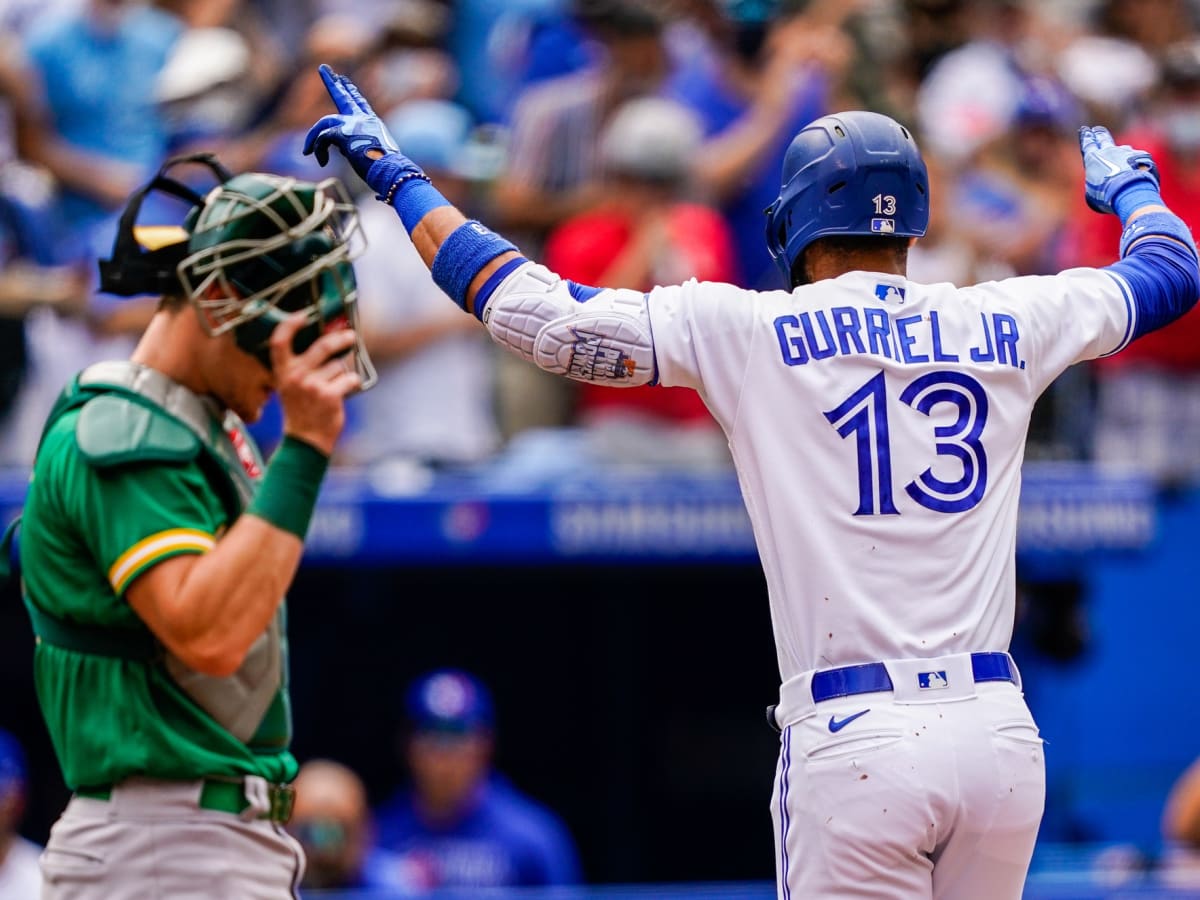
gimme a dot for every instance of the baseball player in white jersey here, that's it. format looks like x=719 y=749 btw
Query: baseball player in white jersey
x=878 y=427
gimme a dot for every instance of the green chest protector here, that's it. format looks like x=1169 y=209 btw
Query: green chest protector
x=133 y=415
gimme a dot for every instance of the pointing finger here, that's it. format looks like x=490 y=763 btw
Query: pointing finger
x=342 y=98
x=352 y=90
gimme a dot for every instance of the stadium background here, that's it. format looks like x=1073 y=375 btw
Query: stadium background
x=619 y=615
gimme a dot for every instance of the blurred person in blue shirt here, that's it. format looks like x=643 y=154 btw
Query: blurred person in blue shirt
x=95 y=70
x=91 y=121
x=761 y=70
x=20 y=876
x=460 y=824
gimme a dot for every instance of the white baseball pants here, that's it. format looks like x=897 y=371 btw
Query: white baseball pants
x=906 y=794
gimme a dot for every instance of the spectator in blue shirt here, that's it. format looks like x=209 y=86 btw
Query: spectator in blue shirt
x=96 y=70
x=460 y=824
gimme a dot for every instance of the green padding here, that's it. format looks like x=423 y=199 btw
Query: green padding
x=113 y=430
x=120 y=643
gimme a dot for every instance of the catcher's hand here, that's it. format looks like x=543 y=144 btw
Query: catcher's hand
x=359 y=134
x=1109 y=169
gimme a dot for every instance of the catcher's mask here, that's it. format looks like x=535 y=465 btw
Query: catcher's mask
x=854 y=173
x=253 y=251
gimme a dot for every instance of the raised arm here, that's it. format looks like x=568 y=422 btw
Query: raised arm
x=428 y=217
x=1158 y=254
x=584 y=333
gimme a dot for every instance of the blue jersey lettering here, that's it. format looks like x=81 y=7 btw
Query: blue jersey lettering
x=1006 y=339
x=818 y=352
x=845 y=320
x=906 y=340
x=852 y=331
x=939 y=355
x=985 y=353
x=879 y=331
x=791 y=344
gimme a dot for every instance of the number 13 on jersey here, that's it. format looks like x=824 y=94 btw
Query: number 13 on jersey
x=864 y=415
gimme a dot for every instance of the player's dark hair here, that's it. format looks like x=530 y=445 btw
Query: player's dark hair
x=852 y=246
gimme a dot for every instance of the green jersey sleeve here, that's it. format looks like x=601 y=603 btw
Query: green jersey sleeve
x=145 y=515
x=134 y=516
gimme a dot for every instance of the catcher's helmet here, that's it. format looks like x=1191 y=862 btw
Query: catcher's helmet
x=256 y=249
x=263 y=247
x=854 y=173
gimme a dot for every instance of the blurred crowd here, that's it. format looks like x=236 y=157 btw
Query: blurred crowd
x=625 y=143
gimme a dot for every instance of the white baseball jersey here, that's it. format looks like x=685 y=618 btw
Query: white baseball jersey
x=878 y=428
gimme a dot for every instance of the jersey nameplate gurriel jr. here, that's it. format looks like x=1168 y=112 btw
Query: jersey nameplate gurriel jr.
x=909 y=339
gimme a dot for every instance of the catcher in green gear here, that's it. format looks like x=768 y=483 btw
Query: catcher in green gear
x=156 y=544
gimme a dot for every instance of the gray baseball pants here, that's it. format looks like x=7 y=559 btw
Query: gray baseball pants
x=151 y=839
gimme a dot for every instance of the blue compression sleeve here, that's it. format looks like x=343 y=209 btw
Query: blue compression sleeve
x=1163 y=277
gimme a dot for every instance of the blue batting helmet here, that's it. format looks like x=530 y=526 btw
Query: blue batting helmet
x=851 y=173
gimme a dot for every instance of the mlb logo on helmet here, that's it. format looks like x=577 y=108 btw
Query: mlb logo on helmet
x=883 y=226
x=932 y=681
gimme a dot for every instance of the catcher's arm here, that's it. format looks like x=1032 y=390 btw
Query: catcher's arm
x=525 y=307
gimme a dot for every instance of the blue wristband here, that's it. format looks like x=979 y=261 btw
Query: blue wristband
x=463 y=255
x=401 y=184
x=1161 y=224
x=414 y=200
x=1133 y=197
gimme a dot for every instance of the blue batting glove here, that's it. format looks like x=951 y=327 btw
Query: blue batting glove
x=1110 y=170
x=357 y=131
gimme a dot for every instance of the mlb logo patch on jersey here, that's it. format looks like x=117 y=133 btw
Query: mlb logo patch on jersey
x=932 y=681
x=889 y=293
x=883 y=226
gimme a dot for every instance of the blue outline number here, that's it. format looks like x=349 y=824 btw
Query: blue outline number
x=864 y=414
x=959 y=440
